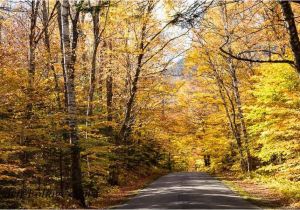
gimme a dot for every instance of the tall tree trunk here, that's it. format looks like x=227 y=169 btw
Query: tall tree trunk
x=240 y=112
x=50 y=66
x=59 y=9
x=124 y=131
x=69 y=53
x=235 y=88
x=61 y=174
x=109 y=95
x=31 y=56
x=92 y=81
x=125 y=128
x=127 y=88
x=109 y=92
x=100 y=75
x=232 y=122
x=96 y=32
x=1 y=19
x=292 y=28
x=31 y=73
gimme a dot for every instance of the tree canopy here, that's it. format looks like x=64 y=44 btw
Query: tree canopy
x=97 y=93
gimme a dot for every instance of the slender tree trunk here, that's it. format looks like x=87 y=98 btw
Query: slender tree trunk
x=109 y=96
x=127 y=88
x=45 y=19
x=236 y=92
x=109 y=92
x=50 y=66
x=69 y=53
x=231 y=120
x=61 y=175
x=31 y=73
x=125 y=126
x=114 y=168
x=96 y=31
x=240 y=113
x=31 y=56
x=100 y=76
x=92 y=82
x=62 y=52
x=124 y=131
x=65 y=135
x=1 y=19
x=293 y=33
x=233 y=126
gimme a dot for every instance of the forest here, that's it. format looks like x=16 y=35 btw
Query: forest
x=96 y=95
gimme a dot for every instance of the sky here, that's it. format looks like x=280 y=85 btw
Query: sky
x=184 y=42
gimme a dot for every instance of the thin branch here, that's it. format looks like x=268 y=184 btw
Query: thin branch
x=52 y=15
x=106 y=19
x=168 y=63
x=157 y=34
x=237 y=57
x=166 y=44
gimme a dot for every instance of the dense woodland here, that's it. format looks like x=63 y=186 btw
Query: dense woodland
x=97 y=93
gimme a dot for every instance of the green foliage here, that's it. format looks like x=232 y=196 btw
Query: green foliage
x=274 y=117
x=174 y=123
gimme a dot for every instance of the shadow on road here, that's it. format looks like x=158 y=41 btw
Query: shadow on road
x=190 y=190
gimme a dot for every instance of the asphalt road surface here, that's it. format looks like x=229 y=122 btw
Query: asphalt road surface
x=187 y=191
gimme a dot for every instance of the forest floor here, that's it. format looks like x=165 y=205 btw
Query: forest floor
x=121 y=194
x=257 y=193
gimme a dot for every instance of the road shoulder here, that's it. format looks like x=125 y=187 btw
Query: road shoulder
x=257 y=193
x=121 y=194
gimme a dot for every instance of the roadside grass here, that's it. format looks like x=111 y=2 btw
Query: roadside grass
x=289 y=189
x=264 y=191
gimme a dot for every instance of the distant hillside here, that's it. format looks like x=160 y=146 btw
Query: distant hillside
x=177 y=69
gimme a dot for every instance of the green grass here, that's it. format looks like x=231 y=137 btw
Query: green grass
x=290 y=189
x=249 y=197
x=275 y=192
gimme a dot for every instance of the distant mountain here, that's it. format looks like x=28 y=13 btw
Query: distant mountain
x=176 y=69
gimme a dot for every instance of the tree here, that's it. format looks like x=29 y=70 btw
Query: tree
x=143 y=57
x=293 y=34
x=235 y=86
x=225 y=73
x=69 y=55
x=95 y=12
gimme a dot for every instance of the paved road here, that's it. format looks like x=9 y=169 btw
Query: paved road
x=187 y=191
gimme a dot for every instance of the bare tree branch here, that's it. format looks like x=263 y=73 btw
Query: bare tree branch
x=238 y=57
